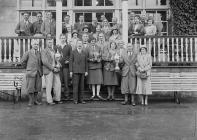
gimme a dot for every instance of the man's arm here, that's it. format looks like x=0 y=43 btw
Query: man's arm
x=17 y=29
x=42 y=29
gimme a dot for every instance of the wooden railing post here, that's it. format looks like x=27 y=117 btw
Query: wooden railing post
x=195 y=49
x=0 y=50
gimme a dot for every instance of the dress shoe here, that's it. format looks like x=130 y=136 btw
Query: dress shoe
x=75 y=102
x=133 y=104
x=51 y=103
x=101 y=98
x=92 y=98
x=125 y=103
x=37 y=103
x=59 y=102
x=83 y=102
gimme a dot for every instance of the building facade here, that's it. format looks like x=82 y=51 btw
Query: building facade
x=12 y=11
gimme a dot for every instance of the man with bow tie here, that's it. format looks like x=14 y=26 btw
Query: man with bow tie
x=78 y=70
x=129 y=79
x=32 y=61
x=24 y=27
x=48 y=27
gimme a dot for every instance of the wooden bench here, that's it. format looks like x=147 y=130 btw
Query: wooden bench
x=11 y=82
x=174 y=81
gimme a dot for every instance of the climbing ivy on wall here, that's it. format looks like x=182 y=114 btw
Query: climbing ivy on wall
x=184 y=16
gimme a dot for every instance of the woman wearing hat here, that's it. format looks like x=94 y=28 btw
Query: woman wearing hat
x=98 y=30
x=129 y=80
x=144 y=64
x=74 y=39
x=106 y=29
x=115 y=36
x=95 y=76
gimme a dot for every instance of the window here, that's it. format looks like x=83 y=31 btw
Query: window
x=30 y=3
x=104 y=2
x=83 y=2
x=64 y=2
x=108 y=16
x=87 y=17
x=51 y=3
x=133 y=3
x=153 y=3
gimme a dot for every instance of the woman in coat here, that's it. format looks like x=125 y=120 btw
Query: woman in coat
x=95 y=76
x=129 y=80
x=144 y=64
x=109 y=75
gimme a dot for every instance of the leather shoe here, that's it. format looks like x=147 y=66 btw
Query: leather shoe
x=37 y=103
x=51 y=103
x=75 y=102
x=125 y=103
x=83 y=102
x=101 y=98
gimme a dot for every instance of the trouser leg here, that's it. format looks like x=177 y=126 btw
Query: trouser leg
x=66 y=81
x=81 y=88
x=49 y=83
x=75 y=87
x=57 y=87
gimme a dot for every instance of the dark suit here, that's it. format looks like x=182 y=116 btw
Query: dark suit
x=78 y=65
x=33 y=64
x=64 y=73
x=37 y=27
x=48 y=27
x=23 y=29
x=79 y=27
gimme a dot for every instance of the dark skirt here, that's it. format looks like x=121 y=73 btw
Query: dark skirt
x=110 y=78
x=95 y=77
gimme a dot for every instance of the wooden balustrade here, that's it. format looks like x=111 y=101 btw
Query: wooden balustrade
x=163 y=49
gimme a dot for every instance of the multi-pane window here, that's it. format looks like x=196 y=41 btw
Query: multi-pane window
x=30 y=3
x=135 y=3
x=83 y=3
x=104 y=2
x=87 y=17
x=152 y=3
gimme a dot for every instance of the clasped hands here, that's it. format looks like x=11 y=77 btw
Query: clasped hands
x=71 y=74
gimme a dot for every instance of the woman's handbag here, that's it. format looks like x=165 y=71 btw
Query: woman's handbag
x=142 y=75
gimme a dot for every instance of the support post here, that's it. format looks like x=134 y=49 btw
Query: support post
x=58 y=19
x=125 y=21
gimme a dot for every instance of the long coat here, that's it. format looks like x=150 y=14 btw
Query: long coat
x=129 y=80
x=144 y=85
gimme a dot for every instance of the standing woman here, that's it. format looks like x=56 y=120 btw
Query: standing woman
x=98 y=30
x=106 y=29
x=95 y=77
x=144 y=64
x=115 y=35
x=109 y=75
x=129 y=80
x=74 y=39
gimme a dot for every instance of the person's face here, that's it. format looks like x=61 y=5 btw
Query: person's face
x=85 y=30
x=75 y=35
x=63 y=38
x=69 y=29
x=26 y=16
x=94 y=21
x=113 y=45
x=39 y=17
x=98 y=28
x=105 y=22
x=136 y=19
x=79 y=45
x=150 y=22
x=50 y=44
x=35 y=45
x=93 y=42
x=143 y=50
x=85 y=37
x=114 y=20
x=115 y=31
x=49 y=15
x=131 y=16
x=102 y=17
x=81 y=18
x=101 y=37
x=66 y=19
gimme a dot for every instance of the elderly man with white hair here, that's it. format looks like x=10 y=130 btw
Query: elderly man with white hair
x=32 y=61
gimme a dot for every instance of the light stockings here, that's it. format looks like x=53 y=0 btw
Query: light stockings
x=96 y=88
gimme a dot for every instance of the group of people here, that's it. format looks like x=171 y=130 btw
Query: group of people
x=93 y=55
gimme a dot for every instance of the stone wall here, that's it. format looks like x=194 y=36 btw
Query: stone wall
x=8 y=17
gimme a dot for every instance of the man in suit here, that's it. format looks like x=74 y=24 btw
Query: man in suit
x=79 y=25
x=50 y=72
x=37 y=24
x=48 y=27
x=32 y=60
x=65 y=50
x=78 y=70
x=24 y=27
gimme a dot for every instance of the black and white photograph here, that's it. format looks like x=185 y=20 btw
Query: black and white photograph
x=98 y=70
